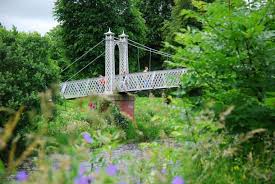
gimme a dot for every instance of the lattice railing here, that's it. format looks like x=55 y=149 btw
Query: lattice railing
x=149 y=80
x=123 y=83
x=81 y=88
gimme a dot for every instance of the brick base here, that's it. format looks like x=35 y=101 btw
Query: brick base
x=126 y=104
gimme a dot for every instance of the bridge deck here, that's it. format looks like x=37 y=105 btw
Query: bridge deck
x=124 y=83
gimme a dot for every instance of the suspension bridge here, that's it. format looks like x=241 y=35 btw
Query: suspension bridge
x=124 y=81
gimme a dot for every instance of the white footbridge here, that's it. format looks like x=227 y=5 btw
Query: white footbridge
x=125 y=81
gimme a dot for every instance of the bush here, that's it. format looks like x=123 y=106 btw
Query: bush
x=25 y=71
x=25 y=68
x=247 y=114
x=232 y=50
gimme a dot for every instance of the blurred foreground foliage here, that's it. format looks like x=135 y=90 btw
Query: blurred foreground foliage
x=174 y=140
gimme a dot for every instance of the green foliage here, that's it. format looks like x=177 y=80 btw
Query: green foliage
x=25 y=68
x=105 y=123
x=219 y=158
x=84 y=22
x=57 y=50
x=231 y=68
x=234 y=49
x=247 y=114
x=162 y=121
x=155 y=13
x=123 y=122
x=180 y=19
x=204 y=153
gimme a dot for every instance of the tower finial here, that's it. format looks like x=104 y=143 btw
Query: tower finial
x=123 y=35
x=109 y=32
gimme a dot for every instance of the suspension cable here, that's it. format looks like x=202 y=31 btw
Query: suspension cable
x=82 y=55
x=86 y=66
x=138 y=60
x=157 y=52
x=150 y=50
x=150 y=60
x=148 y=47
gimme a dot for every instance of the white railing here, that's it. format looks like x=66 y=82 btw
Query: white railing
x=81 y=88
x=149 y=80
x=124 y=83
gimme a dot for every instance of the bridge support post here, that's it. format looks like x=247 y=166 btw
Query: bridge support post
x=123 y=54
x=109 y=62
x=126 y=104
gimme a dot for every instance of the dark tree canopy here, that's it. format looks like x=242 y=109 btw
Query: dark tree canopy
x=57 y=49
x=84 y=22
x=179 y=20
x=155 y=13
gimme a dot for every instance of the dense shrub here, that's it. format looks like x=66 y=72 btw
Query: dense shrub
x=25 y=68
x=232 y=50
x=231 y=69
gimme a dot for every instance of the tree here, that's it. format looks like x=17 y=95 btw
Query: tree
x=231 y=59
x=180 y=20
x=155 y=13
x=25 y=68
x=84 y=22
x=57 y=50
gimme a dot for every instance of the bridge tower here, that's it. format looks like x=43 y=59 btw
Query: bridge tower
x=110 y=44
x=109 y=62
x=123 y=54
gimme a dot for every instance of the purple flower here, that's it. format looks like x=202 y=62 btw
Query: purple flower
x=111 y=170
x=178 y=180
x=82 y=168
x=97 y=170
x=22 y=176
x=82 y=180
x=87 y=137
x=122 y=182
x=163 y=171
